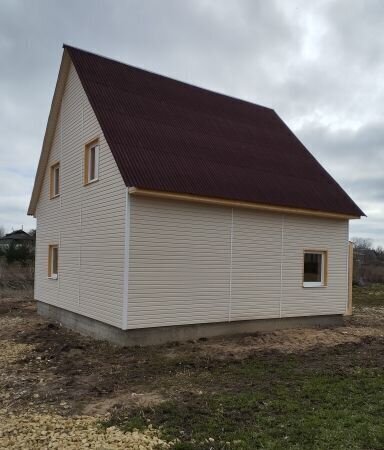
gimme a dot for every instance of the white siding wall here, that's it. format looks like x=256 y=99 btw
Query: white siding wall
x=192 y=263
x=179 y=263
x=88 y=222
x=308 y=233
x=256 y=265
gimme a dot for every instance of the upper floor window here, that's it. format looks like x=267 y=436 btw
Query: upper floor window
x=315 y=268
x=91 y=162
x=55 y=180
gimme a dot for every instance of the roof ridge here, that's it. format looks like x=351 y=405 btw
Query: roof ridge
x=166 y=77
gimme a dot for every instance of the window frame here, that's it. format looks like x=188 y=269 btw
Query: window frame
x=324 y=269
x=51 y=273
x=52 y=187
x=94 y=144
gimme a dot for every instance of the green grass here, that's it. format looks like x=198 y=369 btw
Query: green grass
x=372 y=295
x=325 y=398
x=283 y=409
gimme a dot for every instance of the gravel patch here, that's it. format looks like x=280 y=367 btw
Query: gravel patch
x=35 y=431
x=11 y=352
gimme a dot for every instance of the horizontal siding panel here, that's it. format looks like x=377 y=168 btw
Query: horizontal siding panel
x=180 y=309
x=160 y=293
x=256 y=265
x=183 y=276
x=179 y=263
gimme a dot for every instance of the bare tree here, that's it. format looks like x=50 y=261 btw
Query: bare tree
x=380 y=253
x=2 y=231
x=360 y=243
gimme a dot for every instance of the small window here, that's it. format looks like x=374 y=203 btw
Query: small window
x=55 y=180
x=91 y=162
x=53 y=261
x=315 y=263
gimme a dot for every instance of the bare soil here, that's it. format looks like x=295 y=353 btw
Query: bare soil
x=49 y=368
x=55 y=385
x=46 y=369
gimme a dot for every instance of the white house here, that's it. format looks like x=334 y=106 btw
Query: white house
x=166 y=211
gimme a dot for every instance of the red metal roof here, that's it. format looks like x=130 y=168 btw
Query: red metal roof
x=171 y=136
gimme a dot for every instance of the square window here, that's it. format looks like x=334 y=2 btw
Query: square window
x=55 y=180
x=315 y=263
x=53 y=261
x=91 y=162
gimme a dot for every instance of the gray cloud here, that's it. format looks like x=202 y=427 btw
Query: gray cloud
x=355 y=158
x=320 y=64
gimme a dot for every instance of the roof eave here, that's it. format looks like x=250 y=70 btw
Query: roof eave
x=139 y=192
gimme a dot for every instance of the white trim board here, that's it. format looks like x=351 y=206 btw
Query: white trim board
x=126 y=259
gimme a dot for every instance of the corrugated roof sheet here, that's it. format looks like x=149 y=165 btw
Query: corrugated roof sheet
x=171 y=136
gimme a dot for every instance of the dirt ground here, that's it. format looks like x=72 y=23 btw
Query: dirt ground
x=56 y=386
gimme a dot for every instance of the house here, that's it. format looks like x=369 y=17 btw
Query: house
x=17 y=238
x=166 y=211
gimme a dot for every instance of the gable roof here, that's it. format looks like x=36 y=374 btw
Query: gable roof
x=166 y=135
x=17 y=235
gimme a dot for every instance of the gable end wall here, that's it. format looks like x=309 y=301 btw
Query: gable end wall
x=87 y=222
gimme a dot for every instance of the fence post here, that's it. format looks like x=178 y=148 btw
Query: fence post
x=348 y=311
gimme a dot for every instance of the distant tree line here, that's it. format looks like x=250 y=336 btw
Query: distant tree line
x=22 y=253
x=368 y=262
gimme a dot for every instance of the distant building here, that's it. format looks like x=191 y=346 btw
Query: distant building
x=19 y=237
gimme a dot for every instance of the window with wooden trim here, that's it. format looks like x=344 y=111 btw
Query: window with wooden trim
x=53 y=261
x=315 y=268
x=91 y=162
x=55 y=180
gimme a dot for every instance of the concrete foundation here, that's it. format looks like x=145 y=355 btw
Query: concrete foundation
x=160 y=335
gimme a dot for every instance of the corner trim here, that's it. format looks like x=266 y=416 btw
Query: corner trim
x=124 y=324
x=281 y=265
x=230 y=270
x=236 y=203
x=349 y=305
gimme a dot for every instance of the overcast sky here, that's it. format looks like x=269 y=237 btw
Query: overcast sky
x=319 y=64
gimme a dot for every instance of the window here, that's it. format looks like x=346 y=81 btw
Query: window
x=53 y=261
x=91 y=162
x=55 y=180
x=315 y=268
